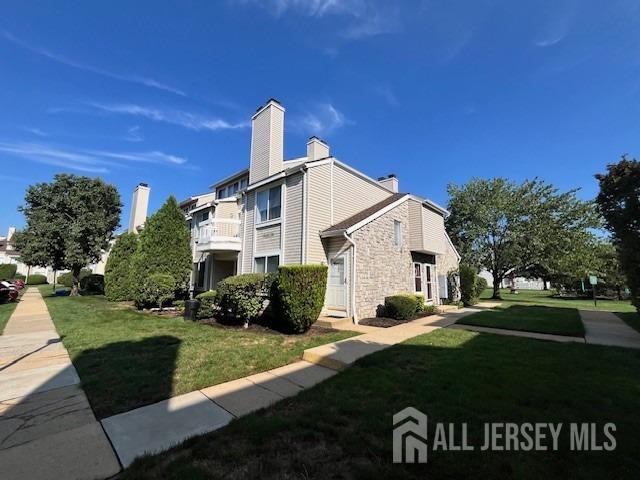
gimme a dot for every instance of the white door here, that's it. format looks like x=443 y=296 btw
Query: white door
x=337 y=285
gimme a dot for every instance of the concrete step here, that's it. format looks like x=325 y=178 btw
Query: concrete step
x=334 y=322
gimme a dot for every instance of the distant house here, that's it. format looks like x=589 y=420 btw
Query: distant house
x=520 y=283
x=375 y=240
x=10 y=254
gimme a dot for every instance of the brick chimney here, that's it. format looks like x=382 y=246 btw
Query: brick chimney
x=139 y=207
x=316 y=149
x=267 y=141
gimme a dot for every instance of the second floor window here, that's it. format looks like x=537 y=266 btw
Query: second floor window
x=269 y=204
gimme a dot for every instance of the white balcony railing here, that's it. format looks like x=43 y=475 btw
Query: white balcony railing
x=217 y=234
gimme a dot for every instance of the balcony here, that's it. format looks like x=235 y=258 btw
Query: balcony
x=218 y=234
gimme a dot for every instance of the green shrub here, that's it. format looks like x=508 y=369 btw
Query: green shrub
x=402 y=306
x=179 y=304
x=164 y=246
x=118 y=272
x=420 y=305
x=241 y=297
x=36 y=279
x=468 y=293
x=481 y=285
x=297 y=296
x=66 y=279
x=92 y=284
x=207 y=304
x=19 y=276
x=7 y=271
x=156 y=289
x=430 y=309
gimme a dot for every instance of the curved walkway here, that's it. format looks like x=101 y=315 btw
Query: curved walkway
x=47 y=427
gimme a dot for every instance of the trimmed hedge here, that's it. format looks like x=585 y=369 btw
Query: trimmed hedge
x=36 y=279
x=297 y=296
x=92 y=284
x=66 y=279
x=207 y=304
x=7 y=271
x=241 y=297
x=19 y=276
x=468 y=292
x=403 y=306
x=156 y=289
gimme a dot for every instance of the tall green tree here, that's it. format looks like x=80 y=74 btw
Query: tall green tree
x=506 y=228
x=164 y=248
x=609 y=269
x=118 y=272
x=619 y=202
x=69 y=223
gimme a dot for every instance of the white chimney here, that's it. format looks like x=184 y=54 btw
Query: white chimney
x=316 y=149
x=267 y=141
x=139 y=207
x=390 y=182
x=12 y=230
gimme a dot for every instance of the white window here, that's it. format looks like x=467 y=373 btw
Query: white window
x=243 y=183
x=221 y=193
x=397 y=233
x=430 y=281
x=417 y=274
x=269 y=204
x=266 y=264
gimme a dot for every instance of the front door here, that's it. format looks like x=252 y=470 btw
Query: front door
x=337 y=285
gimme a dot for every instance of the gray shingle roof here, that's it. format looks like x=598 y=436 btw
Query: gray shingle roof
x=364 y=214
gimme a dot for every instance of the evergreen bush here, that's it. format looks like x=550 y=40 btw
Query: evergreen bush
x=297 y=296
x=118 y=273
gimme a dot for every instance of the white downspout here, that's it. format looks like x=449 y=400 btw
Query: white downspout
x=353 y=278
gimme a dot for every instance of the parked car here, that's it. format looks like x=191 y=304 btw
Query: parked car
x=8 y=292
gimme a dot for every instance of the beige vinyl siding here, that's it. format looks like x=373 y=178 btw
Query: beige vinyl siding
x=293 y=219
x=433 y=231
x=227 y=210
x=260 y=149
x=415 y=225
x=268 y=239
x=248 y=231
x=353 y=194
x=318 y=211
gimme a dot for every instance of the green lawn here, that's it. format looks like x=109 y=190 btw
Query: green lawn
x=6 y=309
x=540 y=297
x=127 y=359
x=530 y=318
x=342 y=428
x=632 y=319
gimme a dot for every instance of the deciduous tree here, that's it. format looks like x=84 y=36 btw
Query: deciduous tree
x=69 y=223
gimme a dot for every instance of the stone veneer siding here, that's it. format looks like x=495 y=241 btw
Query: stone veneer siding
x=382 y=269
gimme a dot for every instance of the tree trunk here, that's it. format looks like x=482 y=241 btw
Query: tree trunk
x=75 y=288
x=545 y=287
x=54 y=280
x=496 y=288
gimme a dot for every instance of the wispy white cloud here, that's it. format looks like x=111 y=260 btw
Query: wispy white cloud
x=84 y=160
x=557 y=26
x=134 y=134
x=192 y=121
x=146 y=81
x=35 y=131
x=365 y=18
x=323 y=119
x=386 y=92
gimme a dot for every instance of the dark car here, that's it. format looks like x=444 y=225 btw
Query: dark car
x=8 y=292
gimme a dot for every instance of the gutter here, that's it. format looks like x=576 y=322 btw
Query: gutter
x=353 y=278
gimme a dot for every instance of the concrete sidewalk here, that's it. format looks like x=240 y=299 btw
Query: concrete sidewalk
x=47 y=428
x=606 y=328
x=158 y=427
x=519 y=333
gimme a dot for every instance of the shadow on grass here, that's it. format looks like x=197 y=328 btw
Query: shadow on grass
x=342 y=428
x=125 y=375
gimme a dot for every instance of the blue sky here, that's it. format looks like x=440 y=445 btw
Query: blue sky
x=434 y=91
